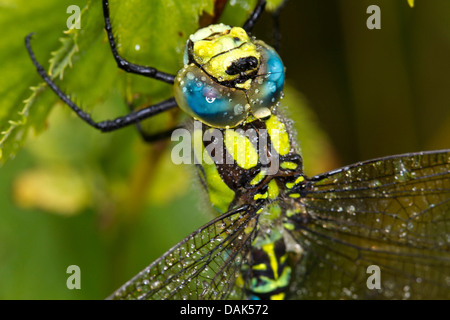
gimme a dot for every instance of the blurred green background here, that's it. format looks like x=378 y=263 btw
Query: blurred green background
x=110 y=203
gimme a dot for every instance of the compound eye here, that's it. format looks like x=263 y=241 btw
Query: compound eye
x=266 y=89
x=203 y=99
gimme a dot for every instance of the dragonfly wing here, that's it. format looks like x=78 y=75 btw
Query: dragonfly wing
x=205 y=265
x=392 y=213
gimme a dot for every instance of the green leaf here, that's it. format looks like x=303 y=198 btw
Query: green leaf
x=20 y=108
x=273 y=5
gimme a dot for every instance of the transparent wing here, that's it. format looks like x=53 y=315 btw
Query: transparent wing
x=205 y=265
x=393 y=213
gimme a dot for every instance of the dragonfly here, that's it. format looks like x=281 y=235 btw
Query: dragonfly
x=377 y=229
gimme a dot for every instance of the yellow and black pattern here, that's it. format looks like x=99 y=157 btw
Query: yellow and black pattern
x=271 y=274
x=238 y=174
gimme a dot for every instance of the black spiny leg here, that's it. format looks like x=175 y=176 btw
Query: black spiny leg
x=154 y=137
x=108 y=125
x=126 y=65
x=250 y=23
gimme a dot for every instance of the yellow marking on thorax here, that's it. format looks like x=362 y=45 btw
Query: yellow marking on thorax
x=290 y=185
x=219 y=193
x=278 y=135
x=273 y=190
x=260 y=196
x=258 y=178
x=241 y=149
x=288 y=165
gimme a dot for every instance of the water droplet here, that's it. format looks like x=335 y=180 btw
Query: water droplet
x=403 y=174
x=374 y=183
x=238 y=109
x=351 y=209
x=190 y=76
x=155 y=285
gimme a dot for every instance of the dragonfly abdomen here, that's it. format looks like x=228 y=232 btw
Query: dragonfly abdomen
x=270 y=273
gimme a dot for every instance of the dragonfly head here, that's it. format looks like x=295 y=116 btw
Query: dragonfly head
x=228 y=76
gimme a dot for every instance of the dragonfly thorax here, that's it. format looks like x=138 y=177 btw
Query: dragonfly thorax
x=254 y=162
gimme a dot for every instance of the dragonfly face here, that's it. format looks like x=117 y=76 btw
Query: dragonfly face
x=227 y=77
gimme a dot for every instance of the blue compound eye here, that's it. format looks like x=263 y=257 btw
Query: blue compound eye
x=202 y=98
x=225 y=106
